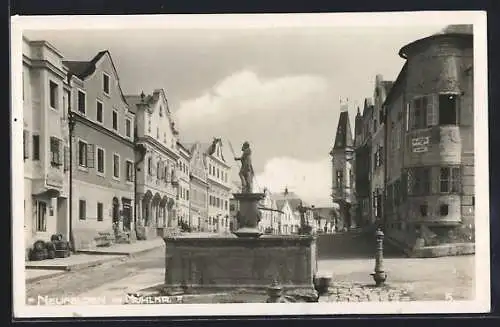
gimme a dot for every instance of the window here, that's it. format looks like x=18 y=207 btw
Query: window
x=419 y=113
x=473 y=201
x=340 y=177
x=158 y=132
x=116 y=166
x=419 y=181
x=100 y=211
x=99 y=111
x=105 y=83
x=129 y=166
x=378 y=156
x=36 y=147
x=161 y=111
x=423 y=210
x=25 y=144
x=100 y=160
x=158 y=170
x=225 y=204
x=41 y=217
x=150 y=166
x=407 y=117
x=443 y=210
x=128 y=127
x=164 y=137
x=187 y=194
x=115 y=120
x=55 y=152
x=448 y=109
x=449 y=179
x=53 y=94
x=85 y=154
x=81 y=102
x=82 y=209
x=66 y=158
x=166 y=172
x=67 y=99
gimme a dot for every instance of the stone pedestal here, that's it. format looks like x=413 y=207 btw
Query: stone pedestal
x=241 y=263
x=249 y=214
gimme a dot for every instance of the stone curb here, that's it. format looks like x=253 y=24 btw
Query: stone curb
x=130 y=254
x=43 y=277
x=77 y=266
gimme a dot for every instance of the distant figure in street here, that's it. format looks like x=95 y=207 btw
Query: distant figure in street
x=246 y=172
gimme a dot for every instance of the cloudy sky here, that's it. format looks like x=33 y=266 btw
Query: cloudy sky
x=278 y=88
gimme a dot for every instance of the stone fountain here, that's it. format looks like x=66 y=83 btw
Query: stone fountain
x=245 y=260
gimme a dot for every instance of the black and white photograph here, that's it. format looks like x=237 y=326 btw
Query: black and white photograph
x=291 y=164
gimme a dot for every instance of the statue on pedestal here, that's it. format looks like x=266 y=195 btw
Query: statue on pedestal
x=246 y=172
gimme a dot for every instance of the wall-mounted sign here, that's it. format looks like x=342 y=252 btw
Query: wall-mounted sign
x=420 y=149
x=419 y=144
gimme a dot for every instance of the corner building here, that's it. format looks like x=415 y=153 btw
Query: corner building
x=46 y=94
x=430 y=141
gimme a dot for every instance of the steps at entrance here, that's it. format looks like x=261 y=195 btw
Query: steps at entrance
x=351 y=244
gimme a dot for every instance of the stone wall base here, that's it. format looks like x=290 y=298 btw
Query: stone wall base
x=444 y=250
x=232 y=262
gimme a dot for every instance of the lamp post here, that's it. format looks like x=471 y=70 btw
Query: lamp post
x=379 y=276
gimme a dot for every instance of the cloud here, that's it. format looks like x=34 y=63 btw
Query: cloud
x=243 y=93
x=311 y=180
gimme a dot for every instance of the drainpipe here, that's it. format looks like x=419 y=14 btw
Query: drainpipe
x=142 y=154
x=71 y=126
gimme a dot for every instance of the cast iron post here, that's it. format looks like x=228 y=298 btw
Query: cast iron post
x=379 y=276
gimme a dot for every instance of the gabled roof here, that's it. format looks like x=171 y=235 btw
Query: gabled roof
x=343 y=138
x=184 y=147
x=280 y=204
x=83 y=69
x=293 y=200
x=133 y=101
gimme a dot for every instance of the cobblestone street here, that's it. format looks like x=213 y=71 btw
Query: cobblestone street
x=431 y=279
x=408 y=279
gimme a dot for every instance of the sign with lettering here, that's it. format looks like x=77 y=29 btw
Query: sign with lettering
x=419 y=144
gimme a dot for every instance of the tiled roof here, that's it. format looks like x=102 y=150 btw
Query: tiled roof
x=83 y=69
x=343 y=138
x=280 y=204
x=133 y=101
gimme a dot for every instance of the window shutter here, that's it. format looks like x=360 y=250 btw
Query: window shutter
x=66 y=158
x=90 y=155
x=26 y=145
x=432 y=106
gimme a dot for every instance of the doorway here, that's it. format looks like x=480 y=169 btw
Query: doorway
x=127 y=214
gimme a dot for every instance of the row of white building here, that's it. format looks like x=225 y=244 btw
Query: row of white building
x=98 y=162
